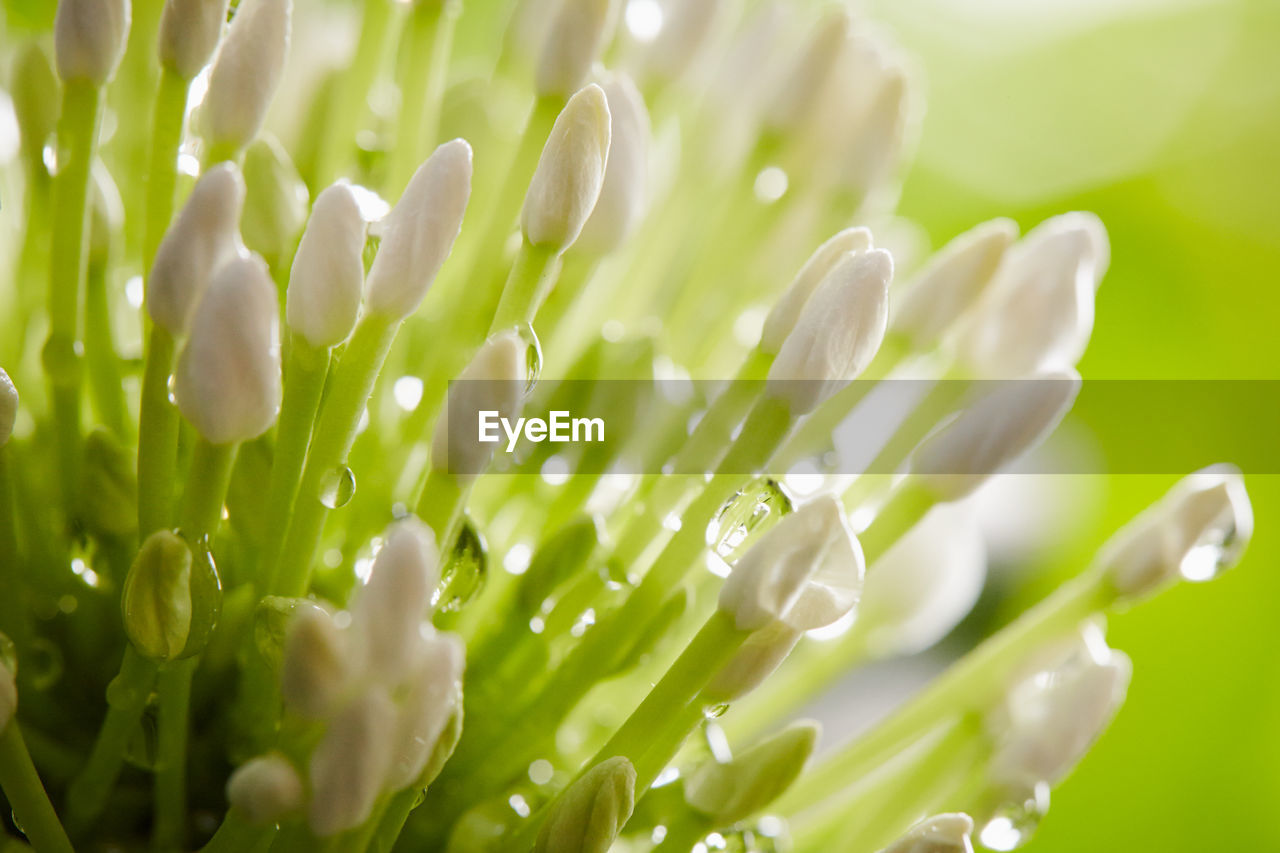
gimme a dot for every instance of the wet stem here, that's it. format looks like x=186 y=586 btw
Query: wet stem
x=32 y=810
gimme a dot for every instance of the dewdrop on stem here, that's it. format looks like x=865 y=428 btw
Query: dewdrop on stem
x=327 y=277
x=89 y=39
x=389 y=609
x=265 y=789
x=787 y=310
x=8 y=407
x=246 y=72
x=621 y=203
x=419 y=232
x=944 y=833
x=493 y=382
x=572 y=43
x=589 y=814
x=349 y=766
x=189 y=32
x=734 y=790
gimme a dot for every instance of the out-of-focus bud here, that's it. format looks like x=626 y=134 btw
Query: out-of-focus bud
x=997 y=429
x=944 y=833
x=837 y=333
x=951 y=283
x=227 y=383
x=189 y=31
x=757 y=659
x=787 y=310
x=567 y=182
x=800 y=91
x=109 y=485
x=621 y=203
x=156 y=598
x=8 y=696
x=573 y=41
x=558 y=558
x=420 y=230
x=491 y=387
x=806 y=572
x=328 y=270
x=687 y=26
x=246 y=72
x=35 y=100
x=588 y=816
x=275 y=206
x=265 y=789
x=202 y=236
x=8 y=407
x=733 y=791
x=389 y=609
x=1197 y=530
x=869 y=156
x=350 y=764
x=272 y=619
x=316 y=666
x=89 y=38
x=431 y=700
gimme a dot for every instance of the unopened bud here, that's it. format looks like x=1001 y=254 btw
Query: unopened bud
x=272 y=619
x=328 y=270
x=432 y=698
x=686 y=28
x=8 y=407
x=757 y=659
x=246 y=72
x=89 y=38
x=878 y=137
x=35 y=100
x=590 y=813
x=350 y=764
x=801 y=89
x=189 y=31
x=492 y=387
x=389 y=609
x=573 y=41
x=621 y=204
x=275 y=206
x=559 y=557
x=944 y=833
x=787 y=310
x=315 y=667
x=265 y=789
x=735 y=790
x=156 y=598
x=567 y=182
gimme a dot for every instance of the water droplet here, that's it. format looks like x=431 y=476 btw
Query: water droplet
x=338 y=487
x=206 y=595
x=533 y=356
x=1218 y=550
x=44 y=663
x=711 y=712
x=465 y=569
x=1015 y=818
x=746 y=516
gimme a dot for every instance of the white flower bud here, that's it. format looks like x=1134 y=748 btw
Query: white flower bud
x=89 y=37
x=944 y=833
x=588 y=816
x=494 y=381
x=8 y=696
x=203 y=235
x=994 y=431
x=1195 y=531
x=389 y=609
x=806 y=572
x=737 y=789
x=328 y=270
x=8 y=407
x=687 y=26
x=837 y=334
x=247 y=71
x=265 y=789
x=757 y=659
x=621 y=204
x=227 y=382
x=349 y=766
x=189 y=31
x=787 y=310
x=801 y=90
x=951 y=283
x=432 y=697
x=573 y=41
x=877 y=141
x=566 y=184
x=419 y=232
x=315 y=666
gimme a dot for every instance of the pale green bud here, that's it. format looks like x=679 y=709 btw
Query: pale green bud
x=590 y=813
x=35 y=101
x=109 y=485
x=570 y=172
x=430 y=701
x=265 y=789
x=735 y=790
x=156 y=598
x=562 y=555
x=275 y=206
x=89 y=38
x=189 y=31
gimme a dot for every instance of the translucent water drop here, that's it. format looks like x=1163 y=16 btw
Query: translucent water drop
x=714 y=711
x=338 y=487
x=206 y=595
x=746 y=516
x=465 y=569
x=1218 y=551
x=1015 y=819
x=44 y=663
x=533 y=356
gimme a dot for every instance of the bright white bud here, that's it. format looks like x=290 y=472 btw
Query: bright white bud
x=757 y=659
x=328 y=270
x=588 y=816
x=431 y=698
x=924 y=584
x=189 y=31
x=1199 y=528
x=8 y=696
x=265 y=789
x=806 y=572
x=494 y=381
x=8 y=407
x=687 y=26
x=800 y=92
x=572 y=43
x=204 y=234
x=419 y=232
x=878 y=138
x=89 y=38
x=315 y=666
x=837 y=334
x=944 y=833
x=389 y=609
x=621 y=204
x=227 y=383
x=998 y=428
x=787 y=310
x=737 y=789
x=567 y=182
x=951 y=283
x=247 y=71
x=349 y=766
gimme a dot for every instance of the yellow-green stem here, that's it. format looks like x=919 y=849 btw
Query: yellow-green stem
x=426 y=45
x=22 y=787
x=162 y=175
x=157 y=437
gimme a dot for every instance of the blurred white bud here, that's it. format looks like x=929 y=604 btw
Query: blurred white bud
x=567 y=182
x=493 y=382
x=951 y=283
x=419 y=232
x=275 y=204
x=735 y=790
x=621 y=203
x=8 y=407
x=89 y=38
x=203 y=235
x=389 y=609
x=995 y=430
x=801 y=89
x=589 y=814
x=944 y=833
x=787 y=310
x=328 y=270
x=431 y=698
x=247 y=71
x=315 y=666
x=227 y=382
x=757 y=659
x=805 y=572
x=574 y=39
x=687 y=27
x=265 y=789
x=189 y=31
x=868 y=157
x=837 y=333
x=1199 y=528
x=349 y=766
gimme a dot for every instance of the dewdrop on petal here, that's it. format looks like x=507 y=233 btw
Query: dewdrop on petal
x=89 y=38
x=265 y=789
x=431 y=698
x=944 y=833
x=806 y=572
x=798 y=95
x=621 y=203
x=494 y=381
x=8 y=407
x=837 y=333
x=735 y=790
x=204 y=234
x=349 y=766
x=589 y=814
x=388 y=610
x=787 y=310
x=328 y=270
x=419 y=232
x=189 y=32
x=570 y=172
x=994 y=431
x=246 y=72
x=315 y=666
x=227 y=382
x=573 y=41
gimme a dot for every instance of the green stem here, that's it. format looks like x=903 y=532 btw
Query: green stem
x=32 y=810
x=237 y=835
x=174 y=688
x=440 y=505
x=206 y=489
x=532 y=276
x=426 y=45
x=15 y=619
x=899 y=514
x=683 y=831
x=162 y=174
x=714 y=430
x=157 y=437
x=106 y=388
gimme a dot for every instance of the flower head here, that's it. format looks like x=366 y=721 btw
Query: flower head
x=89 y=38
x=591 y=812
x=389 y=609
x=433 y=696
x=328 y=270
x=247 y=71
x=789 y=307
x=189 y=31
x=621 y=202
x=349 y=766
x=570 y=173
